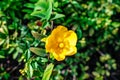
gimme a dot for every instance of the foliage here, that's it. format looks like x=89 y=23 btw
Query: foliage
x=24 y=24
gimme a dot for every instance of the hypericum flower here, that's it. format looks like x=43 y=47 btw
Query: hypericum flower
x=61 y=42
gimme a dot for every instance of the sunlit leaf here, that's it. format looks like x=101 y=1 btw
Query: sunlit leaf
x=1 y=41
x=37 y=35
x=43 y=9
x=79 y=33
x=29 y=5
x=57 y=16
x=38 y=51
x=48 y=72
x=1 y=56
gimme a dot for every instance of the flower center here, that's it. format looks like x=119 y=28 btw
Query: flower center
x=61 y=45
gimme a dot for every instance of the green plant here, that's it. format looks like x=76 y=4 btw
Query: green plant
x=24 y=24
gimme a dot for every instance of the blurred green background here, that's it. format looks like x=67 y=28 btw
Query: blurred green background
x=23 y=23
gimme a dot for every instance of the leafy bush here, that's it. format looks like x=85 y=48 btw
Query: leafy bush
x=24 y=24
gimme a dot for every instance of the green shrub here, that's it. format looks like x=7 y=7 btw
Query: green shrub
x=23 y=24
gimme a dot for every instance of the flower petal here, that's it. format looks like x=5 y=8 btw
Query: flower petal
x=50 y=43
x=55 y=37
x=59 y=57
x=71 y=37
x=59 y=32
x=70 y=51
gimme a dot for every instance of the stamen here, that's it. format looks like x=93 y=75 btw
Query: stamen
x=61 y=45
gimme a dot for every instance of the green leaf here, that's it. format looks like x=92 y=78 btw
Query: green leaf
x=4 y=29
x=2 y=41
x=91 y=32
x=39 y=14
x=40 y=9
x=11 y=50
x=31 y=70
x=43 y=9
x=48 y=72
x=45 y=24
x=1 y=14
x=1 y=56
x=56 y=4
x=15 y=55
x=41 y=5
x=115 y=24
x=79 y=33
x=49 y=11
x=38 y=51
x=29 y=5
x=6 y=75
x=44 y=60
x=27 y=11
x=57 y=16
x=33 y=1
x=20 y=78
x=37 y=35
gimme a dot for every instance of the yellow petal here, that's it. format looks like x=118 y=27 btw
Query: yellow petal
x=43 y=39
x=55 y=37
x=59 y=57
x=58 y=33
x=70 y=51
x=59 y=30
x=50 y=43
x=71 y=37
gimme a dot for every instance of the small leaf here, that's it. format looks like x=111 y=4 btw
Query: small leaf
x=29 y=5
x=57 y=16
x=115 y=24
x=2 y=41
x=40 y=9
x=5 y=29
x=41 y=4
x=43 y=9
x=39 y=14
x=37 y=35
x=15 y=55
x=11 y=50
x=45 y=24
x=48 y=72
x=44 y=60
x=27 y=11
x=1 y=14
x=79 y=33
x=1 y=56
x=38 y=51
x=56 y=4
x=91 y=32
x=49 y=10
x=31 y=70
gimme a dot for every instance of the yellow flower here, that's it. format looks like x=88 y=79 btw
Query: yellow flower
x=61 y=42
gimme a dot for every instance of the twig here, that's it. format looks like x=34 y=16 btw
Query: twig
x=100 y=52
x=15 y=68
x=74 y=77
